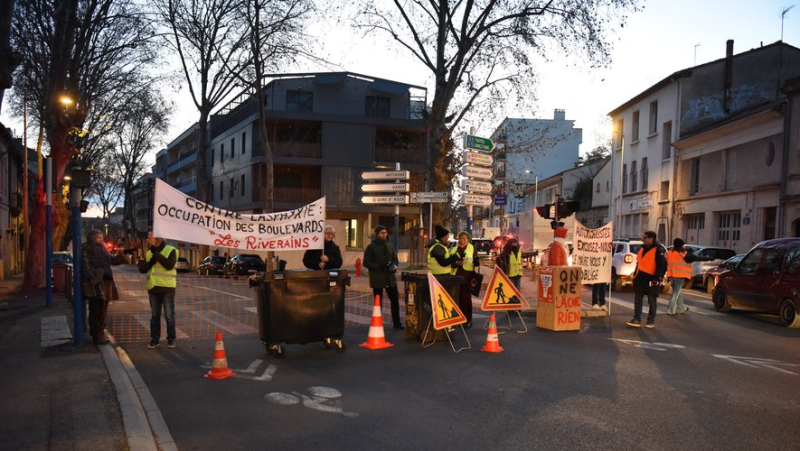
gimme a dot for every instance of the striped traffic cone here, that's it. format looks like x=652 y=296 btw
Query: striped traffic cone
x=376 y=339
x=219 y=369
x=492 y=343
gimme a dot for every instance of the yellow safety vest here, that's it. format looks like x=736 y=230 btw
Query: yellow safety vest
x=515 y=264
x=433 y=266
x=469 y=259
x=677 y=266
x=160 y=276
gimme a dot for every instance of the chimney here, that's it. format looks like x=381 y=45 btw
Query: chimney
x=728 y=76
x=559 y=115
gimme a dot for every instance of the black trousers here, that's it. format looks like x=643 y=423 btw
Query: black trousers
x=599 y=293
x=394 y=298
x=97 y=317
x=652 y=301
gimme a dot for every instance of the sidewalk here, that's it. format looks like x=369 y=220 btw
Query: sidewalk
x=57 y=396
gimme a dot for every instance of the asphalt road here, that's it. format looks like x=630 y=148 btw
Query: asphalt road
x=701 y=380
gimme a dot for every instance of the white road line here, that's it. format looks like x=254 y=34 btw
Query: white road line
x=144 y=320
x=661 y=302
x=225 y=322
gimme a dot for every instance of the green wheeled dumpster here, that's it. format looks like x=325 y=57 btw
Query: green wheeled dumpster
x=418 y=303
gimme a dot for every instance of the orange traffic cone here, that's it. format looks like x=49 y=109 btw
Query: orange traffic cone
x=219 y=369
x=492 y=343
x=376 y=339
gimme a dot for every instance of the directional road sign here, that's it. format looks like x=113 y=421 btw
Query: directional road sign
x=500 y=199
x=477 y=199
x=478 y=143
x=475 y=186
x=429 y=197
x=478 y=159
x=386 y=187
x=386 y=175
x=477 y=173
x=390 y=200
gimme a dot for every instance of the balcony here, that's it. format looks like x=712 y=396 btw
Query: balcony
x=185 y=160
x=187 y=186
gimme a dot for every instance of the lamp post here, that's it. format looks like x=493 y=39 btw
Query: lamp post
x=48 y=258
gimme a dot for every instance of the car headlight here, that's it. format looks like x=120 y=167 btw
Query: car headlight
x=628 y=258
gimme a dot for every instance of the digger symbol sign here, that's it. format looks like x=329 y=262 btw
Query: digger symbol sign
x=501 y=294
x=445 y=312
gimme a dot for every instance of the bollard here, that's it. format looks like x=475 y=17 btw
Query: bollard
x=358 y=267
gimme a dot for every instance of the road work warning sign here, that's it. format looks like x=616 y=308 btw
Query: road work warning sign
x=445 y=312
x=502 y=295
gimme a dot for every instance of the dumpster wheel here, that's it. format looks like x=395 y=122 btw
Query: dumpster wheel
x=276 y=349
x=328 y=342
x=338 y=345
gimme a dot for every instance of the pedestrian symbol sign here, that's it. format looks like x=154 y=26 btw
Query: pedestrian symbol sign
x=501 y=294
x=445 y=312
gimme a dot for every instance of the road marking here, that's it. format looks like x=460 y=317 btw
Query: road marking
x=661 y=302
x=55 y=331
x=224 y=322
x=654 y=345
x=755 y=362
x=322 y=399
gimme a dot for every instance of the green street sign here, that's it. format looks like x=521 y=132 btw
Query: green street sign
x=478 y=143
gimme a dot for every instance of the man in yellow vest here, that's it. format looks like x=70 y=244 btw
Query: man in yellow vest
x=510 y=261
x=650 y=268
x=439 y=257
x=679 y=270
x=162 y=278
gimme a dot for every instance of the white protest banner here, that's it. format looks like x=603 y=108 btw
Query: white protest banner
x=180 y=217
x=591 y=250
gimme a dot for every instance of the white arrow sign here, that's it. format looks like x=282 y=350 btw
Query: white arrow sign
x=479 y=159
x=384 y=187
x=478 y=187
x=477 y=199
x=392 y=200
x=386 y=175
x=477 y=173
x=429 y=197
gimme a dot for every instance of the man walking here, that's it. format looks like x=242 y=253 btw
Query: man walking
x=380 y=259
x=162 y=278
x=679 y=270
x=651 y=265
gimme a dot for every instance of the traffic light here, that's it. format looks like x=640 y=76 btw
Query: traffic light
x=544 y=210
x=567 y=208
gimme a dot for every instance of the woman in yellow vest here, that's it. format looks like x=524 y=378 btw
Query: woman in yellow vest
x=679 y=270
x=510 y=261
x=162 y=278
x=465 y=268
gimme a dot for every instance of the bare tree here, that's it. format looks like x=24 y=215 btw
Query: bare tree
x=107 y=186
x=478 y=50
x=93 y=51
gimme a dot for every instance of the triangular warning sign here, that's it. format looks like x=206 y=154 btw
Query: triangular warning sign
x=445 y=312
x=501 y=294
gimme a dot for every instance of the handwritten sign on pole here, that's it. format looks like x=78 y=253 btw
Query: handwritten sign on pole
x=591 y=251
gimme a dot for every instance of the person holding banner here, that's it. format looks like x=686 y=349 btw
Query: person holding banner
x=162 y=278
x=330 y=257
x=380 y=259
x=465 y=268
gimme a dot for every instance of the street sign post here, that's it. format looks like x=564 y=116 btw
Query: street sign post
x=478 y=143
x=429 y=197
x=478 y=159
x=477 y=173
x=500 y=199
x=391 y=200
x=480 y=200
x=386 y=187
x=476 y=186
x=386 y=175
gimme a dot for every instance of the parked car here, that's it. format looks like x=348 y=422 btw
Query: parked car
x=719 y=254
x=711 y=273
x=244 y=264
x=623 y=262
x=64 y=257
x=182 y=265
x=767 y=279
x=211 y=265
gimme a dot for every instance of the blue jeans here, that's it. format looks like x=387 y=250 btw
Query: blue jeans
x=157 y=302
x=676 y=301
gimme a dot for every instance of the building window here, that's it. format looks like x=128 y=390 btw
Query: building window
x=222 y=153
x=292 y=180
x=624 y=178
x=618 y=136
x=376 y=106
x=644 y=174
x=666 y=148
x=241 y=185
x=635 y=127
x=233 y=147
x=221 y=189
x=728 y=228
x=212 y=157
x=653 y=128
x=597 y=190
x=389 y=221
x=634 y=184
x=302 y=101
x=664 y=191
x=244 y=140
x=694 y=182
x=608 y=185
x=696 y=221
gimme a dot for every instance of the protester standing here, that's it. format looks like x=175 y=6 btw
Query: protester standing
x=465 y=268
x=679 y=270
x=651 y=265
x=98 y=283
x=162 y=278
x=380 y=258
x=440 y=260
x=510 y=261
x=330 y=257
x=599 y=296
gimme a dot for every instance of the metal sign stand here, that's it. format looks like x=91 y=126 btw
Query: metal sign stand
x=449 y=329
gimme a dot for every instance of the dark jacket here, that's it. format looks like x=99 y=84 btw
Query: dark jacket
x=96 y=270
x=643 y=279
x=312 y=257
x=167 y=262
x=379 y=257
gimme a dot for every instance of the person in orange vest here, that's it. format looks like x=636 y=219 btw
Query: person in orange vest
x=651 y=265
x=679 y=270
